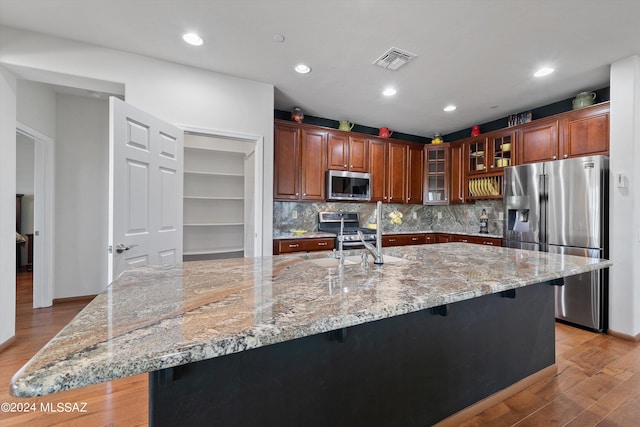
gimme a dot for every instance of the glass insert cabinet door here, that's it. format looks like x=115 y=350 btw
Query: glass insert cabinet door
x=437 y=191
x=477 y=155
x=502 y=146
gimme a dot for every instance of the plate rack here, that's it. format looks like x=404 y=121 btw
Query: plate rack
x=485 y=187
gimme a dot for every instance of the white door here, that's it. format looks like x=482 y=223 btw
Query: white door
x=145 y=190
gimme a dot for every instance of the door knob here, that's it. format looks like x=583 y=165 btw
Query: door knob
x=121 y=248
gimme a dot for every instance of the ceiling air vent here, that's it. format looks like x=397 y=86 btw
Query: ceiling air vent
x=394 y=58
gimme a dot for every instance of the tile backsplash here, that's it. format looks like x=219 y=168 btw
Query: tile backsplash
x=445 y=218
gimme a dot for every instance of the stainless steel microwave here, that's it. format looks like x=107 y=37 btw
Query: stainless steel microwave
x=345 y=185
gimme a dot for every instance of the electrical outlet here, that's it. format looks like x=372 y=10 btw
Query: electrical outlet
x=439 y=215
x=501 y=216
x=294 y=214
x=415 y=215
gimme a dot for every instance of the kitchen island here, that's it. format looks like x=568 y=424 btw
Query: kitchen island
x=295 y=340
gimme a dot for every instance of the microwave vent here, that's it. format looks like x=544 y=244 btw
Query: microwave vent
x=394 y=58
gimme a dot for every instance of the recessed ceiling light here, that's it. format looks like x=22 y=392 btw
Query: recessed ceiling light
x=278 y=38
x=193 y=39
x=302 y=68
x=449 y=108
x=544 y=71
x=389 y=91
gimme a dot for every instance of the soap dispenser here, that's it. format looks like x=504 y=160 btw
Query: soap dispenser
x=484 y=222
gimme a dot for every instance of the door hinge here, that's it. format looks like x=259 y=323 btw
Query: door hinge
x=110 y=249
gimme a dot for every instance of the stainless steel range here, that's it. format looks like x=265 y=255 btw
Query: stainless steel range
x=330 y=222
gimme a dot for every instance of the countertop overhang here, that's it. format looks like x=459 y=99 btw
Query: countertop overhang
x=159 y=317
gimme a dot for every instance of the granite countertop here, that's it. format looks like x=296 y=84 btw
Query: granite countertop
x=156 y=318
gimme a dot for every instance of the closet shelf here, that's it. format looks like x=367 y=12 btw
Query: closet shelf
x=236 y=175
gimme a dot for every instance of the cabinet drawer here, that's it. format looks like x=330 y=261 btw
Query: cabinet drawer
x=489 y=241
x=302 y=245
x=404 y=239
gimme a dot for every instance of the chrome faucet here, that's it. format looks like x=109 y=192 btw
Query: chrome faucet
x=340 y=255
x=376 y=250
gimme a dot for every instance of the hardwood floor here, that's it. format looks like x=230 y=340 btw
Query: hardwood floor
x=598 y=381
x=117 y=403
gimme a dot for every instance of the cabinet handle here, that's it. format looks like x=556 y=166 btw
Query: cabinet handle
x=392 y=240
x=488 y=243
x=350 y=166
x=445 y=199
x=491 y=166
x=297 y=194
x=408 y=198
x=293 y=245
x=553 y=157
x=322 y=243
x=566 y=155
x=304 y=194
x=414 y=238
x=345 y=166
x=464 y=241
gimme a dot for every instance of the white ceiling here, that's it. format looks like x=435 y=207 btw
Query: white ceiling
x=477 y=54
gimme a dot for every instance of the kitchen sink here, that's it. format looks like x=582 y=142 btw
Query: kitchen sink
x=332 y=262
x=351 y=260
x=388 y=259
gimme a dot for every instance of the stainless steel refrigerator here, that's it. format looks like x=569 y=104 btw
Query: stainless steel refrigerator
x=562 y=207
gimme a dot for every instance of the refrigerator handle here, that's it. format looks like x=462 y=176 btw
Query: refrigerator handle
x=542 y=215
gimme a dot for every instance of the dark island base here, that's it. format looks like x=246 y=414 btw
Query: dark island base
x=410 y=370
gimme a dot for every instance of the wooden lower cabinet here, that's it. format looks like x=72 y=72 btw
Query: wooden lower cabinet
x=490 y=241
x=427 y=238
x=283 y=246
x=404 y=239
x=443 y=238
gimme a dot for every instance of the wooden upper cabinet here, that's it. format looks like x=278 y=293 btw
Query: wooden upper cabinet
x=576 y=133
x=313 y=164
x=477 y=155
x=338 y=152
x=347 y=152
x=501 y=146
x=286 y=180
x=437 y=174
x=585 y=132
x=537 y=142
x=415 y=174
x=377 y=167
x=458 y=190
x=358 y=154
x=300 y=162
x=397 y=172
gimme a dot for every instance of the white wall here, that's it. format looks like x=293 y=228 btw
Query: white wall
x=175 y=93
x=624 y=233
x=8 y=87
x=36 y=107
x=82 y=190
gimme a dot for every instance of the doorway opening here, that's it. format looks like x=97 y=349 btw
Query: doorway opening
x=34 y=179
x=222 y=195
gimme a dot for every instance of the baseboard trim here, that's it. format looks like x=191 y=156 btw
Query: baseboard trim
x=494 y=399
x=7 y=343
x=623 y=336
x=84 y=298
